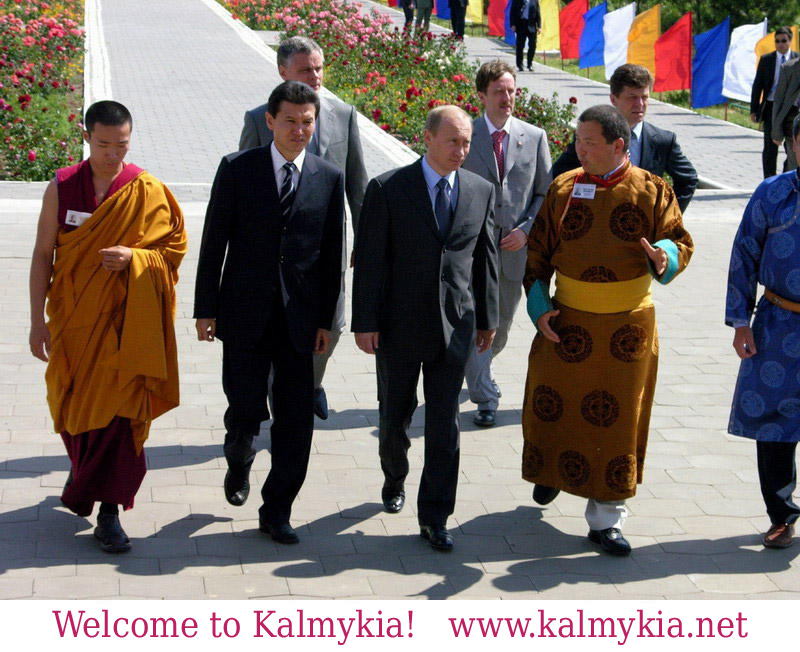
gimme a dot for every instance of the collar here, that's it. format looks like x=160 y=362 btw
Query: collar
x=611 y=178
x=278 y=161
x=638 y=130
x=506 y=127
x=432 y=176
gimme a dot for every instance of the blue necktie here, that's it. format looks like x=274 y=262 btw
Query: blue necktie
x=286 y=193
x=442 y=208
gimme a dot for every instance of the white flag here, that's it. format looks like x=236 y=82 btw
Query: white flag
x=741 y=61
x=616 y=25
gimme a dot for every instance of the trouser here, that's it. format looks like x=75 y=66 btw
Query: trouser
x=530 y=37
x=483 y=389
x=245 y=380
x=603 y=514
x=423 y=18
x=777 y=474
x=321 y=360
x=769 y=157
x=457 y=16
x=786 y=126
x=408 y=12
x=441 y=383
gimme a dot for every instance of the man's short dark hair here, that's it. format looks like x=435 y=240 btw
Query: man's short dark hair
x=296 y=45
x=294 y=92
x=108 y=113
x=631 y=75
x=492 y=71
x=611 y=122
x=786 y=31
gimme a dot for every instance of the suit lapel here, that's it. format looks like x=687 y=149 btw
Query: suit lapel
x=482 y=142
x=647 y=147
x=266 y=172
x=326 y=124
x=419 y=199
x=306 y=185
x=516 y=141
x=466 y=194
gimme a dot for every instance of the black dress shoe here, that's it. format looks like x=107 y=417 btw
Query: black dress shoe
x=520 y=69
x=485 y=418
x=280 y=532
x=611 y=540
x=542 y=495
x=437 y=536
x=236 y=490
x=110 y=534
x=393 y=500
x=320 y=403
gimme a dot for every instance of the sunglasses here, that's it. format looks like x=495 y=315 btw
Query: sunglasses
x=782 y=40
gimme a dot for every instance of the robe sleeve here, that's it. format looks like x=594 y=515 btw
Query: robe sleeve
x=744 y=264
x=669 y=233
x=542 y=242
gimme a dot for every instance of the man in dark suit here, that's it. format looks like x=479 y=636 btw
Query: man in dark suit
x=336 y=140
x=458 y=14
x=785 y=108
x=278 y=212
x=651 y=148
x=526 y=23
x=763 y=95
x=425 y=279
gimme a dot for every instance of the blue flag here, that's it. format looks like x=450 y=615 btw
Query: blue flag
x=511 y=37
x=443 y=9
x=593 y=43
x=708 y=66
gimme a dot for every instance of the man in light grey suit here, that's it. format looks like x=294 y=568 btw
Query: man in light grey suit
x=785 y=107
x=515 y=157
x=335 y=140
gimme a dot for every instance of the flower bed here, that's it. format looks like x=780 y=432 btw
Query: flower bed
x=41 y=55
x=394 y=77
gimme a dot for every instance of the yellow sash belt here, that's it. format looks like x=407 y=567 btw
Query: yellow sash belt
x=617 y=296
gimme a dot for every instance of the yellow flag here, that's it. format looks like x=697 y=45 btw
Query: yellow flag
x=642 y=37
x=549 y=38
x=475 y=12
x=767 y=44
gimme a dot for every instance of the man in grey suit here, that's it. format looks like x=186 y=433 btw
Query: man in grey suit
x=335 y=140
x=515 y=157
x=785 y=107
x=425 y=279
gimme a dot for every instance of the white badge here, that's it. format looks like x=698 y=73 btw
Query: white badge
x=76 y=218
x=583 y=190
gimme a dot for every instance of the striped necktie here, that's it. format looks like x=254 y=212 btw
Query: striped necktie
x=443 y=210
x=287 y=192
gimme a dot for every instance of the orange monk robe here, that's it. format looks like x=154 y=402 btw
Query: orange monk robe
x=113 y=350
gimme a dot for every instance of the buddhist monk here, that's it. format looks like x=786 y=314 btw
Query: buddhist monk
x=109 y=242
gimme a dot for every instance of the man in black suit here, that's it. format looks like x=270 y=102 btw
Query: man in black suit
x=763 y=93
x=278 y=211
x=651 y=148
x=526 y=23
x=425 y=278
x=458 y=14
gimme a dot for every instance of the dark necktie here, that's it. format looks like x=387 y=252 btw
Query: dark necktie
x=497 y=145
x=286 y=194
x=442 y=207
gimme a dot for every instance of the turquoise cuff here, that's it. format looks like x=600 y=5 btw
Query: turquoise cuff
x=538 y=301
x=672 y=261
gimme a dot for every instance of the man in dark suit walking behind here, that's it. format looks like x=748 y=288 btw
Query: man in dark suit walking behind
x=425 y=279
x=526 y=23
x=651 y=148
x=763 y=95
x=278 y=212
x=458 y=15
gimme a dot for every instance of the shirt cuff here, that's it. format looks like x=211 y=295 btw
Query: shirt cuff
x=671 y=271
x=538 y=301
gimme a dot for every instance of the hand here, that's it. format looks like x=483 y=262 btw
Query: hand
x=744 y=343
x=39 y=341
x=543 y=324
x=206 y=329
x=753 y=117
x=514 y=241
x=657 y=256
x=368 y=342
x=483 y=340
x=116 y=259
x=778 y=142
x=322 y=342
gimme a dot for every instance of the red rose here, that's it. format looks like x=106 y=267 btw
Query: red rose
x=573 y=100
x=31 y=155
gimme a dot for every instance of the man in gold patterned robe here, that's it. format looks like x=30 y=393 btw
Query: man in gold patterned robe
x=592 y=366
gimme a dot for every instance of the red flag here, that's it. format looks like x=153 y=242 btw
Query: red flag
x=570 y=22
x=392 y=3
x=674 y=57
x=497 y=17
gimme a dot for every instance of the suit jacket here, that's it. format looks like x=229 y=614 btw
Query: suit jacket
x=762 y=84
x=457 y=4
x=244 y=221
x=786 y=95
x=521 y=22
x=660 y=153
x=525 y=183
x=421 y=291
x=339 y=143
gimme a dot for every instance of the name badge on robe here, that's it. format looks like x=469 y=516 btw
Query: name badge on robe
x=76 y=218
x=583 y=190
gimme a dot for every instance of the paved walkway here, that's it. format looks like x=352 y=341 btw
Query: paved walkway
x=694 y=524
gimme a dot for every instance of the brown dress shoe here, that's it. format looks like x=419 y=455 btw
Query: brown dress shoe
x=779 y=535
